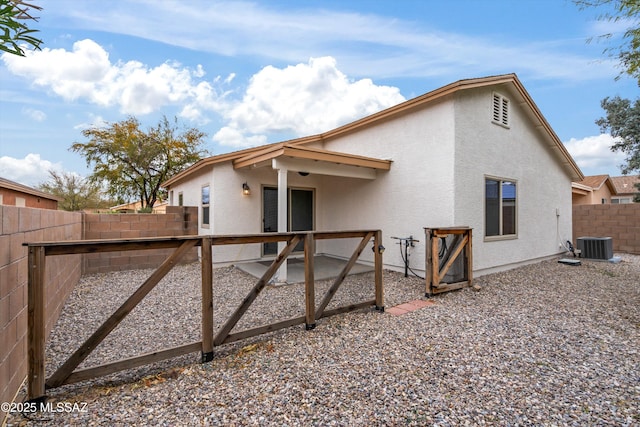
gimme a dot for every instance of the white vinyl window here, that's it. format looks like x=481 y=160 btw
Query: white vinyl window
x=500 y=110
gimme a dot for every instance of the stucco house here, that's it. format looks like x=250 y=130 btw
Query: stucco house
x=476 y=153
x=593 y=190
x=133 y=207
x=16 y=194
x=626 y=188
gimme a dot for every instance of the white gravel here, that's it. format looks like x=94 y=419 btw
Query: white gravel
x=546 y=344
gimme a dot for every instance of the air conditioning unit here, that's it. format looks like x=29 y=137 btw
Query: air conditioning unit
x=595 y=247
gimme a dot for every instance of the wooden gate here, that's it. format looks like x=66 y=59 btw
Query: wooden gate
x=440 y=257
x=67 y=373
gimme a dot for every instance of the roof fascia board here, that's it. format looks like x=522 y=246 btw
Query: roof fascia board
x=323 y=168
x=297 y=152
x=243 y=156
x=577 y=173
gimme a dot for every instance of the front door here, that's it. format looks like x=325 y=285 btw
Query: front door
x=299 y=214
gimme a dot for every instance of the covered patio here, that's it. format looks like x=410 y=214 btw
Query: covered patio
x=304 y=160
x=325 y=267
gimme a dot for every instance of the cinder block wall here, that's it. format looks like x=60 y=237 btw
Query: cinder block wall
x=620 y=222
x=20 y=225
x=178 y=221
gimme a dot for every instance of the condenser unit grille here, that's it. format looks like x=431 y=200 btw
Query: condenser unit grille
x=595 y=247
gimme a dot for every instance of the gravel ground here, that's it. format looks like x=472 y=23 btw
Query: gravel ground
x=545 y=344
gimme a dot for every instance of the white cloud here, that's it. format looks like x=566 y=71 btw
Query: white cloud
x=594 y=156
x=234 y=138
x=31 y=171
x=86 y=73
x=33 y=114
x=243 y=28
x=95 y=121
x=304 y=99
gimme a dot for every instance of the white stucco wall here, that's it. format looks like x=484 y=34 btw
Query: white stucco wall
x=441 y=155
x=416 y=192
x=518 y=153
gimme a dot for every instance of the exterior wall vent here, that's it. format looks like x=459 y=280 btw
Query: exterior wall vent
x=595 y=247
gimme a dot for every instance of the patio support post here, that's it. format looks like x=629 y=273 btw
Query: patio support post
x=282 y=218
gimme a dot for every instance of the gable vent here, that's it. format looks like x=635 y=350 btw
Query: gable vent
x=500 y=110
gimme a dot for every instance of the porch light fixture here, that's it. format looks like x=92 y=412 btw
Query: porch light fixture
x=245 y=189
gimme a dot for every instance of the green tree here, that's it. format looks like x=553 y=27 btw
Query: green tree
x=76 y=192
x=622 y=121
x=134 y=163
x=626 y=12
x=13 y=32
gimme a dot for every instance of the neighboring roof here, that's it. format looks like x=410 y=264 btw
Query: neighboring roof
x=595 y=182
x=135 y=205
x=11 y=185
x=626 y=184
x=525 y=99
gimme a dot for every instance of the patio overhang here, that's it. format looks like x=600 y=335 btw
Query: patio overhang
x=315 y=161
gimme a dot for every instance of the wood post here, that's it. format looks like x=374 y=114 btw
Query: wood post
x=377 y=250
x=207 y=300
x=309 y=282
x=35 y=321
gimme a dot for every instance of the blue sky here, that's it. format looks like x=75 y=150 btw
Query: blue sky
x=249 y=73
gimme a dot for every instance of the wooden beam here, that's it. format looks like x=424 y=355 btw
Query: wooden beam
x=36 y=323
x=114 y=320
x=110 y=245
x=253 y=294
x=469 y=253
x=453 y=254
x=348 y=308
x=206 y=264
x=428 y=253
x=322 y=235
x=377 y=244
x=336 y=284
x=309 y=282
x=132 y=362
x=446 y=287
x=435 y=268
x=263 y=329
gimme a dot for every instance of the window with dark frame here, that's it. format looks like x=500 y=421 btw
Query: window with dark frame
x=205 y=205
x=500 y=207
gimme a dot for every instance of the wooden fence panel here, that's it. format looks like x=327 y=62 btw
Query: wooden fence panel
x=67 y=372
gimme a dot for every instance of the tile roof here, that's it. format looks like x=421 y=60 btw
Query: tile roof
x=625 y=184
x=594 y=181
